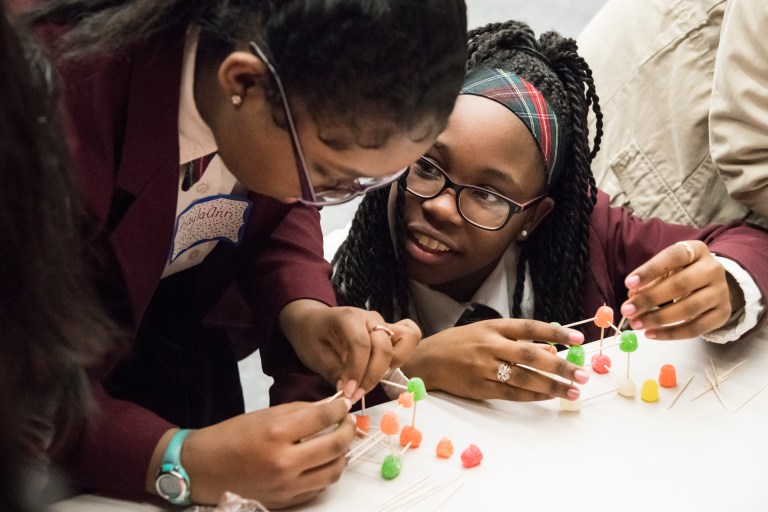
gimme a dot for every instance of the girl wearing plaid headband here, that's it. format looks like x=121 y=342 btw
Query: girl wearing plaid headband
x=300 y=100
x=503 y=213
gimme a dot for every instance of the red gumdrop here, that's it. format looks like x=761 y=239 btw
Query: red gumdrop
x=410 y=435
x=471 y=457
x=405 y=399
x=389 y=424
x=444 y=448
x=363 y=423
x=601 y=363
x=604 y=316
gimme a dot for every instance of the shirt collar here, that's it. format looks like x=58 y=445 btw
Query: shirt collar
x=437 y=311
x=195 y=136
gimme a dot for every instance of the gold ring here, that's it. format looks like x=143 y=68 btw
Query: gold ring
x=691 y=251
x=384 y=328
x=504 y=372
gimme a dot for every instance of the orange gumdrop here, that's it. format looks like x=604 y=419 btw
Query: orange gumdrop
x=444 y=448
x=389 y=424
x=363 y=423
x=410 y=435
x=405 y=399
x=667 y=376
x=604 y=316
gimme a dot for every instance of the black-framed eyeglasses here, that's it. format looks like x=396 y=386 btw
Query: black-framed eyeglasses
x=355 y=188
x=480 y=207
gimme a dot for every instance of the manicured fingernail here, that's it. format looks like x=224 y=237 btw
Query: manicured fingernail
x=349 y=388
x=575 y=337
x=636 y=324
x=358 y=395
x=650 y=334
x=348 y=403
x=573 y=393
x=628 y=309
x=338 y=385
x=632 y=281
x=580 y=376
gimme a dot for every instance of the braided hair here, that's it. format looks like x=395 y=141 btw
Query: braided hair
x=350 y=61
x=557 y=252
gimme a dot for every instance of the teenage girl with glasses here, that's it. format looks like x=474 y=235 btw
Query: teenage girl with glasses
x=196 y=127
x=503 y=213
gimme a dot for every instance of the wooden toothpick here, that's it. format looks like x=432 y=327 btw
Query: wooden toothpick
x=679 y=393
x=750 y=398
x=579 y=322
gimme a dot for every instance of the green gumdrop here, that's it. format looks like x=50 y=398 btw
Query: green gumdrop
x=576 y=355
x=628 y=341
x=391 y=467
x=417 y=387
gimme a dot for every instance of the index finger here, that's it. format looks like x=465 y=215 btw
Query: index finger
x=527 y=329
x=312 y=419
x=674 y=257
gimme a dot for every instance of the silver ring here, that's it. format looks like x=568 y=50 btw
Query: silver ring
x=690 y=249
x=504 y=372
x=384 y=328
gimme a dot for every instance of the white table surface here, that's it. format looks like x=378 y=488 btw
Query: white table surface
x=616 y=454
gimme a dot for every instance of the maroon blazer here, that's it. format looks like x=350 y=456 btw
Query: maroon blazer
x=121 y=121
x=620 y=242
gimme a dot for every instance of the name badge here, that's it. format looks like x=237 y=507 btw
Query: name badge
x=212 y=218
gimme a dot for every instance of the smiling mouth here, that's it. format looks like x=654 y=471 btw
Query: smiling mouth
x=430 y=243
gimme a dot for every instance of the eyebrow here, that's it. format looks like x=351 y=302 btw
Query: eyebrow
x=487 y=172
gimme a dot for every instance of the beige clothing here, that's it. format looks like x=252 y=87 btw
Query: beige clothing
x=653 y=63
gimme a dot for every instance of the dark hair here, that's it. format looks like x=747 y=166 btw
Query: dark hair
x=53 y=327
x=366 y=273
x=394 y=60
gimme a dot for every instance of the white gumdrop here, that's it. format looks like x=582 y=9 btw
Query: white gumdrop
x=627 y=387
x=570 y=405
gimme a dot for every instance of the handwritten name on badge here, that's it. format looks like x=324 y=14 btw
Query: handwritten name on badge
x=213 y=218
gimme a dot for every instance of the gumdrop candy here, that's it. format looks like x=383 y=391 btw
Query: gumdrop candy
x=649 y=392
x=389 y=424
x=363 y=422
x=471 y=457
x=601 y=363
x=411 y=435
x=576 y=355
x=417 y=387
x=570 y=405
x=667 y=376
x=627 y=387
x=391 y=467
x=444 y=448
x=604 y=316
x=628 y=341
x=405 y=399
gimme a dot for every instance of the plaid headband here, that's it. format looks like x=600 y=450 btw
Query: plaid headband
x=527 y=103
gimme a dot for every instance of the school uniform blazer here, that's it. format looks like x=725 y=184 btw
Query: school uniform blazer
x=619 y=242
x=121 y=121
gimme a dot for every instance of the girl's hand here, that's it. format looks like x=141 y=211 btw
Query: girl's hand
x=464 y=361
x=281 y=456
x=682 y=292
x=350 y=347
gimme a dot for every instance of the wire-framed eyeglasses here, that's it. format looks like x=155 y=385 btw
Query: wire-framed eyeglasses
x=309 y=196
x=480 y=207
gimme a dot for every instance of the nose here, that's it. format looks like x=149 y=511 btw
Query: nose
x=442 y=207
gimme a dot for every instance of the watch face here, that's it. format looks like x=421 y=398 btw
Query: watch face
x=171 y=485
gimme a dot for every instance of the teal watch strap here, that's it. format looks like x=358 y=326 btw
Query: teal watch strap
x=172 y=481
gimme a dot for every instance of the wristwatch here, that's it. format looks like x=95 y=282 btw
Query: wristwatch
x=172 y=482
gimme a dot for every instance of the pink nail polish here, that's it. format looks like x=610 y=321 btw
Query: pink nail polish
x=636 y=324
x=632 y=281
x=573 y=393
x=650 y=334
x=580 y=376
x=575 y=337
x=349 y=388
x=628 y=309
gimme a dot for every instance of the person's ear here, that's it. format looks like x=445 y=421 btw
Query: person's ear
x=243 y=76
x=535 y=216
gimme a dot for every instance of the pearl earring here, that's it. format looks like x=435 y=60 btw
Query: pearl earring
x=524 y=233
x=236 y=100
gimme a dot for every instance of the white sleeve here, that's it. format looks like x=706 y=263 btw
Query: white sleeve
x=745 y=319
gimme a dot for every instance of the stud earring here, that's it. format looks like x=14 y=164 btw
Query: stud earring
x=236 y=100
x=524 y=233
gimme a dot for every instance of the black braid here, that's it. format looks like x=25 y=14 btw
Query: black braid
x=366 y=270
